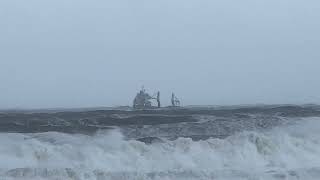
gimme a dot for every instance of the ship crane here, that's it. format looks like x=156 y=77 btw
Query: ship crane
x=174 y=100
x=157 y=98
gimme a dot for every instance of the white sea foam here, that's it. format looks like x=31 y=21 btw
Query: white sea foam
x=290 y=152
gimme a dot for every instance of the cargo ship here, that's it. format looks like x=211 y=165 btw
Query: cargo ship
x=143 y=100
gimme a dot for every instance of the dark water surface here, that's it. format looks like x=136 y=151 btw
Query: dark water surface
x=194 y=122
x=223 y=143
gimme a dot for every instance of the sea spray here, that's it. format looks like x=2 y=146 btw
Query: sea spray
x=290 y=152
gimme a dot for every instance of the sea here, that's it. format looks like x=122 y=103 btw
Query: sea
x=248 y=142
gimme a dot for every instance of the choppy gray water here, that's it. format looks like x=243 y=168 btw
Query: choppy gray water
x=255 y=142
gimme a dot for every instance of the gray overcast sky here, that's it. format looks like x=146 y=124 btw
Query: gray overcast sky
x=80 y=53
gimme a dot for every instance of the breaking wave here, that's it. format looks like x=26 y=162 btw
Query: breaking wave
x=287 y=152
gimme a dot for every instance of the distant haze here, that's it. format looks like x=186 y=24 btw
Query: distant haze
x=82 y=53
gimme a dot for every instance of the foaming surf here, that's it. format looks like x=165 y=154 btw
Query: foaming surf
x=284 y=152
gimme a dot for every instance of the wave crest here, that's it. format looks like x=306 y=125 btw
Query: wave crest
x=278 y=153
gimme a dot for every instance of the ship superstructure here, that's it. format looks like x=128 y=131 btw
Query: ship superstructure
x=144 y=100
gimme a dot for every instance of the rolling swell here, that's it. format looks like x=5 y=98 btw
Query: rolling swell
x=198 y=123
x=249 y=143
